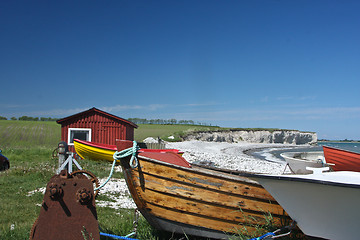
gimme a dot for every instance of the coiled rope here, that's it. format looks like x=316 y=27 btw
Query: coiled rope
x=122 y=154
x=127 y=152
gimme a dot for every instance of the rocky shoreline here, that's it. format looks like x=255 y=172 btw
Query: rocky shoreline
x=254 y=136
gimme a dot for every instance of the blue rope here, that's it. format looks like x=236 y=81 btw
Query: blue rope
x=264 y=236
x=115 y=236
x=118 y=155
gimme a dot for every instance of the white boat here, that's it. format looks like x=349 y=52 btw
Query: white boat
x=298 y=161
x=324 y=204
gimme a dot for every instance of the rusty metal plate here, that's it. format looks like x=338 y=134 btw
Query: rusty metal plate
x=68 y=210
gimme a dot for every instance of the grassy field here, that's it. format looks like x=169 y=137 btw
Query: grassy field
x=25 y=134
x=29 y=146
x=20 y=134
x=165 y=131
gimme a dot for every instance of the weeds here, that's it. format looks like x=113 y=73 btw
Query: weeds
x=261 y=226
x=86 y=235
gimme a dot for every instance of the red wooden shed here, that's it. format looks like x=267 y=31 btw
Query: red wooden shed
x=95 y=126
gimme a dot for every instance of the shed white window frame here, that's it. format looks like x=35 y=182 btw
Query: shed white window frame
x=71 y=130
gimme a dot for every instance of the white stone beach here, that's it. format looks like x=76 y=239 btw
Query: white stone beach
x=229 y=155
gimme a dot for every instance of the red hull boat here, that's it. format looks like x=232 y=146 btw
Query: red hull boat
x=343 y=160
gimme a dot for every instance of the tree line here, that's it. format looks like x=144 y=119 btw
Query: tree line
x=166 y=121
x=134 y=120
x=27 y=118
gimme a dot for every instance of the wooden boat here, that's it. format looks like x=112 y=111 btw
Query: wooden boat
x=298 y=161
x=323 y=204
x=177 y=197
x=98 y=151
x=343 y=160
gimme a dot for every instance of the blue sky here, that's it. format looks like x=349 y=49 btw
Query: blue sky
x=272 y=64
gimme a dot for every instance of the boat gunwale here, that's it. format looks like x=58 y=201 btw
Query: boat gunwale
x=97 y=145
x=306 y=180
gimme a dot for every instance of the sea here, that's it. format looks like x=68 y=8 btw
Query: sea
x=273 y=154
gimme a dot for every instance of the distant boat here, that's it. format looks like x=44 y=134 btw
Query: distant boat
x=298 y=161
x=177 y=197
x=98 y=151
x=343 y=160
x=324 y=205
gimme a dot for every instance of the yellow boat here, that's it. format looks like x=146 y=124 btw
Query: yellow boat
x=99 y=151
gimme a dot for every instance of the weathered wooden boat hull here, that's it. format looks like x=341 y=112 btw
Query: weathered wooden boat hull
x=343 y=160
x=98 y=151
x=323 y=205
x=198 y=201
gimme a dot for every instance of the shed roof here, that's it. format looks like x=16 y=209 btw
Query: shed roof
x=99 y=112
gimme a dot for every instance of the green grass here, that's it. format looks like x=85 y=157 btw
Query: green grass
x=20 y=134
x=29 y=170
x=165 y=131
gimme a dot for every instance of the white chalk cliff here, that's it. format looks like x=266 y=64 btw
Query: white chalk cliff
x=255 y=136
